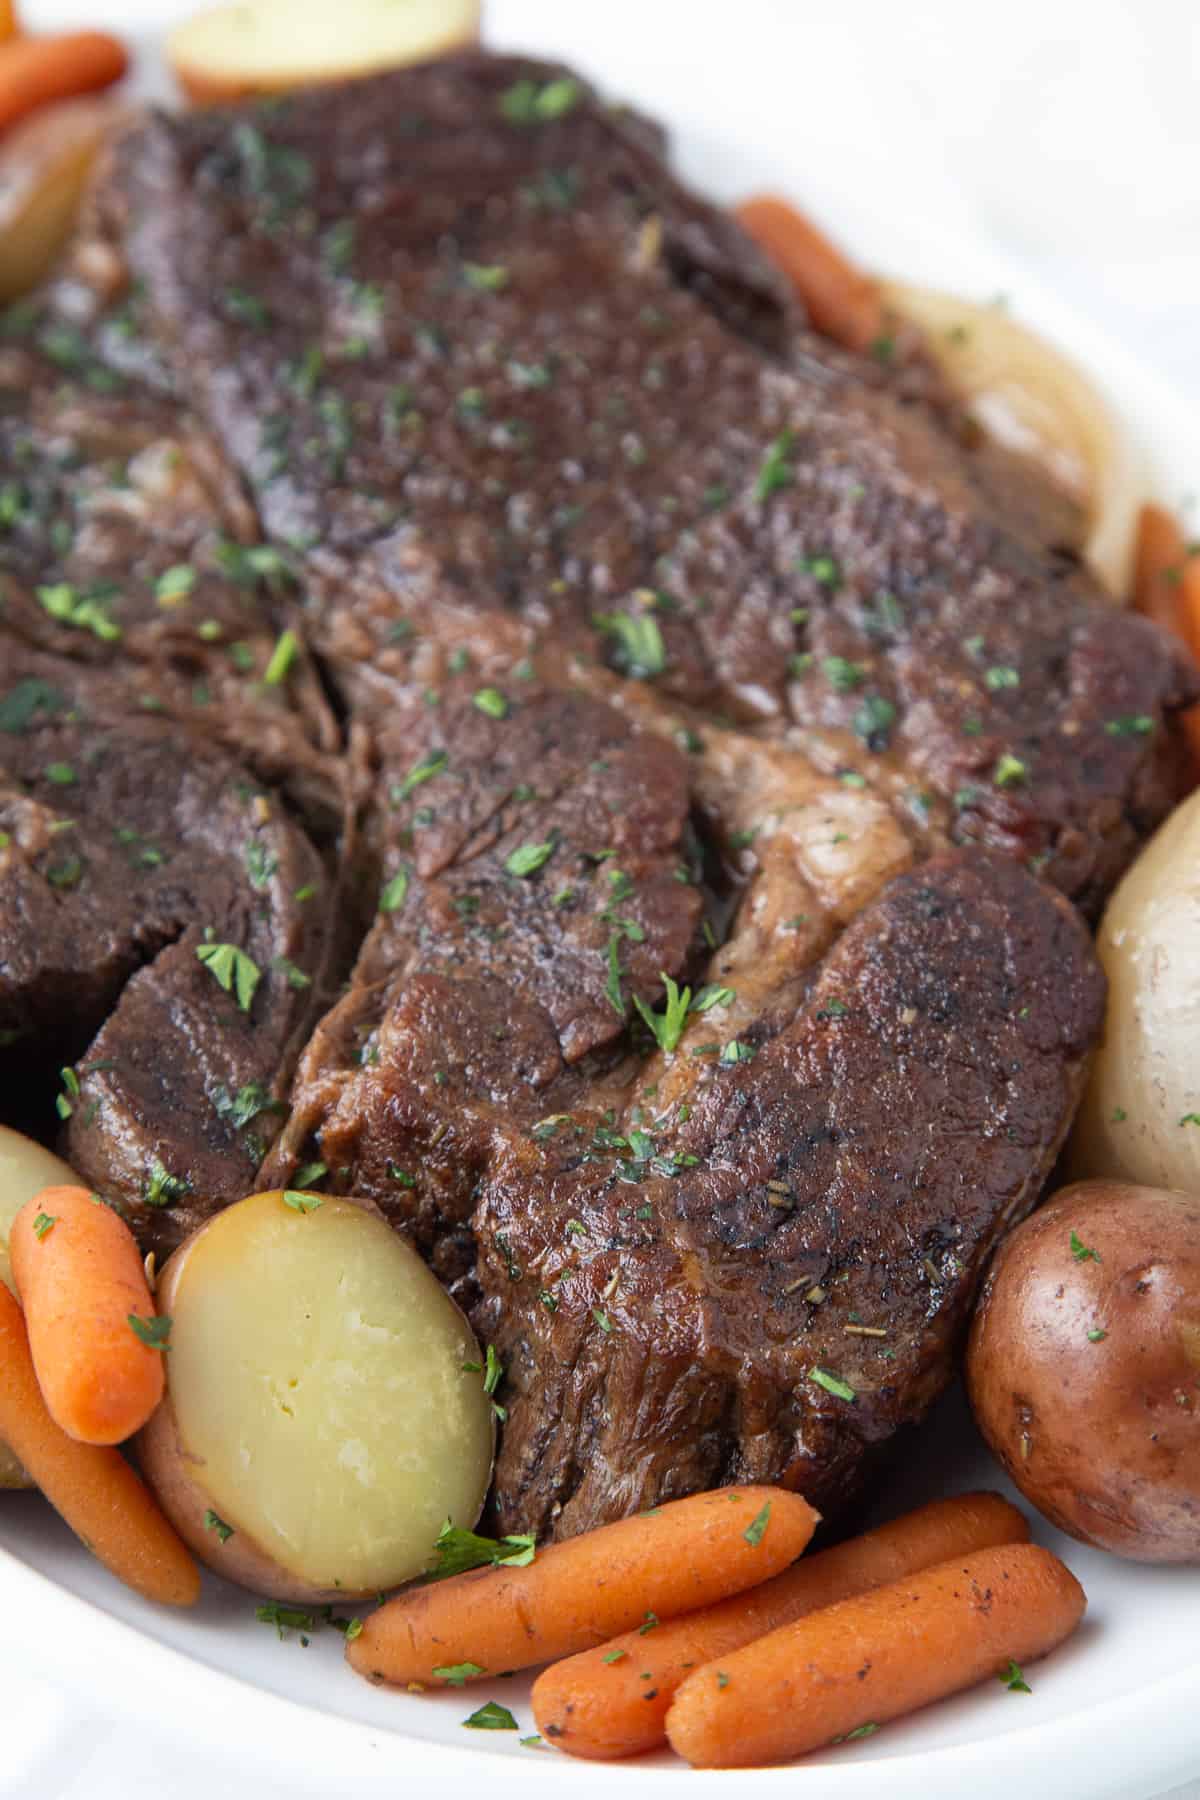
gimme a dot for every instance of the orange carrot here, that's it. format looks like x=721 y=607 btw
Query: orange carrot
x=1166 y=587
x=672 y=1559
x=34 y=70
x=8 y=20
x=885 y=1653
x=101 y=1498
x=613 y=1701
x=841 y=301
x=91 y=1321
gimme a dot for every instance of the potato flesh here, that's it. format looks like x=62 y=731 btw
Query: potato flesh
x=25 y=1169
x=274 y=43
x=1140 y=1119
x=317 y=1376
x=45 y=163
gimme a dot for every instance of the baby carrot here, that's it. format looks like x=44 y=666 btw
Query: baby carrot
x=875 y=1657
x=1166 y=587
x=841 y=301
x=672 y=1559
x=8 y=20
x=613 y=1701
x=92 y=1329
x=93 y=1487
x=34 y=70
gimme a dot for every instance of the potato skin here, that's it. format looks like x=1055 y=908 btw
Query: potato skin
x=1102 y=1431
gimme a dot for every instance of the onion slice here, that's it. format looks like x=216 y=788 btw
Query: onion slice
x=1027 y=395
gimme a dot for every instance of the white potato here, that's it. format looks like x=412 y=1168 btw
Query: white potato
x=267 y=46
x=319 y=1401
x=1140 y=1119
x=25 y=1169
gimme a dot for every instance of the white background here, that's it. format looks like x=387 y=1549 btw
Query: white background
x=1066 y=133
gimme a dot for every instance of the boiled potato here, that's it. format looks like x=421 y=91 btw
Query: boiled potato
x=266 y=46
x=1140 y=1119
x=44 y=165
x=321 y=1421
x=25 y=1169
x=1084 y=1366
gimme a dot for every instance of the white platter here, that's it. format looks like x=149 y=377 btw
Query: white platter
x=1116 y=1713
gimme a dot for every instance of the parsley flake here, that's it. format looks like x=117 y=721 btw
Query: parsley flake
x=1083 y=1252
x=43 y=1223
x=833 y=1384
x=1013 y=1679
x=457 y=1550
x=491 y=1717
x=301 y=1203
x=491 y=701
x=153 y=1331
x=640 y=648
x=753 y=1533
x=233 y=970
x=527 y=859
x=214 y=1522
x=458 y=1674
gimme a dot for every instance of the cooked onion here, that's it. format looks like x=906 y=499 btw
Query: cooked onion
x=1030 y=397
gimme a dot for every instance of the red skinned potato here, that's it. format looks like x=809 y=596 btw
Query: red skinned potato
x=1084 y=1366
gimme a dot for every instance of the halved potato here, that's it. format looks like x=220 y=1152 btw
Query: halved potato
x=267 y=46
x=25 y=1169
x=325 y=1413
x=44 y=165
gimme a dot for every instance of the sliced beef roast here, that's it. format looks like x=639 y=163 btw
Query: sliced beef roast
x=164 y=936
x=477 y=357
x=668 y=649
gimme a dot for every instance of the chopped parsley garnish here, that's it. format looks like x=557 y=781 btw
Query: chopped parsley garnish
x=310 y=1174
x=287 y=648
x=1001 y=677
x=296 y=978
x=491 y=1716
x=285 y=1618
x=238 y=1109
x=710 y=996
x=1190 y=1118
x=43 y=1222
x=667 y=1026
x=873 y=721
x=162 y=1188
x=529 y=102
x=860 y=1731
x=491 y=701
x=155 y=1332
x=776 y=470
x=612 y=987
x=214 y=1522
x=842 y=674
x=1097 y=1335
x=485 y=278
x=613 y=1656
x=175 y=583
x=301 y=1203
x=736 y=1052
x=233 y=970
x=431 y=764
x=602 y=1319
x=1013 y=1679
x=82 y=611
x=833 y=1384
x=527 y=859
x=1134 y=725
x=245 y=308
x=753 y=1533
x=261 y=864
x=395 y=892
x=61 y=774
x=640 y=648
x=457 y=1674
x=22 y=704
x=649 y=1623
x=1009 y=771
x=457 y=1551
x=1083 y=1252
